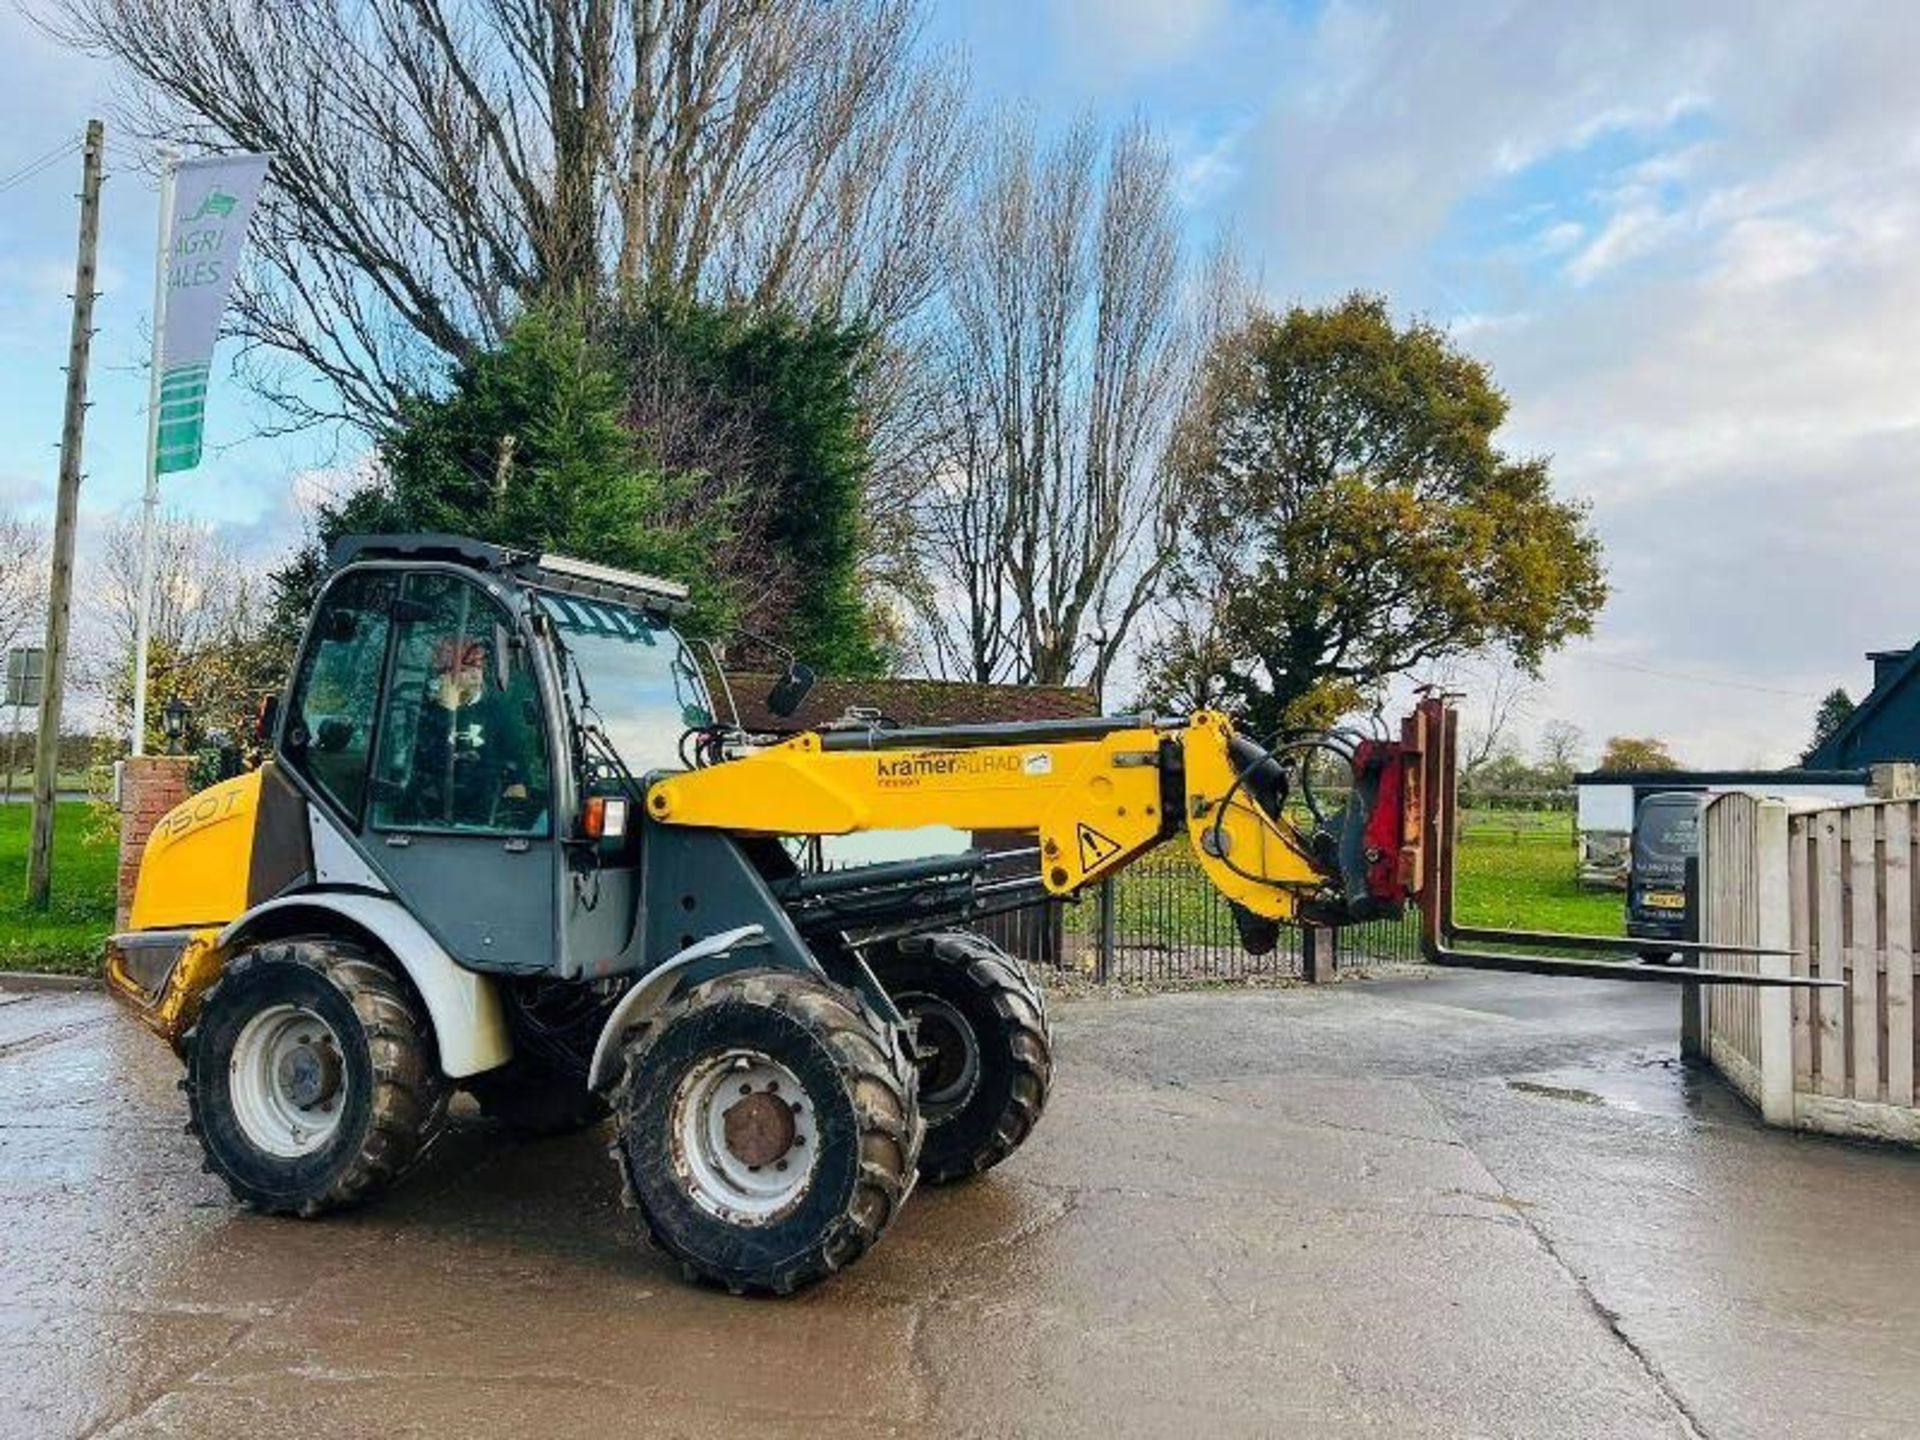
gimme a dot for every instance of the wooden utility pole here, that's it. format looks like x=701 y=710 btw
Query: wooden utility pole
x=46 y=750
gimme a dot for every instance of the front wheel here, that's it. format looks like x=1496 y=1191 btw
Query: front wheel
x=982 y=1042
x=311 y=1080
x=767 y=1129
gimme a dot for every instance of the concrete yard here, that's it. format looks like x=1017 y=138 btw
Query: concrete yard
x=1446 y=1205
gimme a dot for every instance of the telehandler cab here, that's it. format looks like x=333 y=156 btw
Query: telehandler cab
x=504 y=843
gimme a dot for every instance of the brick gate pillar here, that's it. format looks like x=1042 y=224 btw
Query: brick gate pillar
x=150 y=786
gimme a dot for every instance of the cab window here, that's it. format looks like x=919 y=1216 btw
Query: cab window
x=328 y=727
x=461 y=743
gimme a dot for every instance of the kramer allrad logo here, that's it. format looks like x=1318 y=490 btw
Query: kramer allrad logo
x=912 y=769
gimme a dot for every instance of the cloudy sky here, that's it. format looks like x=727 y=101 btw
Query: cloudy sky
x=1684 y=236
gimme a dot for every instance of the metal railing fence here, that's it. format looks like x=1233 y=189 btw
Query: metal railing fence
x=1160 y=921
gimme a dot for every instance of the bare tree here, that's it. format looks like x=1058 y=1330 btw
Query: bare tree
x=210 y=641
x=24 y=575
x=1044 y=517
x=438 y=167
x=1497 y=695
x=1561 y=742
x=202 y=591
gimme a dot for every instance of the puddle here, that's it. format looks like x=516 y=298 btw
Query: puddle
x=1556 y=1092
x=1644 y=1082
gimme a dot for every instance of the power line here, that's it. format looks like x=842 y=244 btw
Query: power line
x=1699 y=679
x=45 y=162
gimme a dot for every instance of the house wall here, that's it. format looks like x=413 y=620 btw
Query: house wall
x=1610 y=806
x=1604 y=807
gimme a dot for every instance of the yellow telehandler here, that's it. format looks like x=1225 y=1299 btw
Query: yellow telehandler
x=504 y=843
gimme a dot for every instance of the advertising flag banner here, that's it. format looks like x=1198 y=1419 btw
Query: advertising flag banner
x=214 y=201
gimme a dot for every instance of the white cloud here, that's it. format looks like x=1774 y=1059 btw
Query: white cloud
x=1762 y=253
x=1711 y=337
x=1205 y=166
x=1124 y=38
x=1629 y=234
x=1559 y=238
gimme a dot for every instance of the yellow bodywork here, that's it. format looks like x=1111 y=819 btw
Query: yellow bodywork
x=1095 y=803
x=171 y=1011
x=198 y=857
x=193 y=880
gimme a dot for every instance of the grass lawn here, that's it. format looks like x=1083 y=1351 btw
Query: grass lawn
x=1516 y=872
x=62 y=780
x=1521 y=878
x=66 y=937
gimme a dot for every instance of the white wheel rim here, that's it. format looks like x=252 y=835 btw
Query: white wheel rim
x=719 y=1172
x=287 y=1081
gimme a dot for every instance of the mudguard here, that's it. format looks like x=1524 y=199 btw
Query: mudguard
x=644 y=1000
x=469 y=1022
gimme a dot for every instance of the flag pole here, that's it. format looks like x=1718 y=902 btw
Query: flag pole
x=150 y=504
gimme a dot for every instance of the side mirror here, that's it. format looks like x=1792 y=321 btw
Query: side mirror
x=267 y=718
x=335 y=734
x=790 y=690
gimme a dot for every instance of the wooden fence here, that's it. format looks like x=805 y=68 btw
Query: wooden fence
x=1835 y=886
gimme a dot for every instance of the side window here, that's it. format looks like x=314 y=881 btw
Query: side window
x=461 y=743
x=329 y=727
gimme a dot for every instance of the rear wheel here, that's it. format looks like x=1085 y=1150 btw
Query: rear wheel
x=981 y=1042
x=311 y=1081
x=767 y=1129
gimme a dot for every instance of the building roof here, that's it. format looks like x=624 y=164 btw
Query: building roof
x=1841 y=744
x=1680 y=779
x=910 y=702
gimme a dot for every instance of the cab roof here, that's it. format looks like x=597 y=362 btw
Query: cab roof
x=560 y=573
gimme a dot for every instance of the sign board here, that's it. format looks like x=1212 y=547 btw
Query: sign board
x=26 y=674
x=214 y=201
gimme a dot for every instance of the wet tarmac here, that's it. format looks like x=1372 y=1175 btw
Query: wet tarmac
x=1433 y=1206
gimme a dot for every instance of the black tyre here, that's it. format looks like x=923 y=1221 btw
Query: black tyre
x=981 y=1042
x=311 y=1079
x=532 y=1098
x=767 y=1129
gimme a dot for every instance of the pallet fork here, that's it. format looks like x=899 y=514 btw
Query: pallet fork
x=1430 y=841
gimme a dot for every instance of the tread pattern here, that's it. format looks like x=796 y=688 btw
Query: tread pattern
x=409 y=1093
x=1022 y=1009
x=872 y=1058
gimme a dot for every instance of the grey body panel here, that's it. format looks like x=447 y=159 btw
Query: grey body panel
x=336 y=861
x=489 y=900
x=600 y=918
x=469 y=1023
x=697 y=883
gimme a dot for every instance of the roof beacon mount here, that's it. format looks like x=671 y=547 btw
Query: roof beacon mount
x=612 y=577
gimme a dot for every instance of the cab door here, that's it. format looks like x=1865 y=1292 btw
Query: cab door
x=460 y=810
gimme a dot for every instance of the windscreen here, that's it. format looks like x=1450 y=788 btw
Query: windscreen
x=640 y=682
x=1667 y=836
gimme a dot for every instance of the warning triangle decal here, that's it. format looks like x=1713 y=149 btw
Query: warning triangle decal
x=1095 y=847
